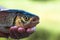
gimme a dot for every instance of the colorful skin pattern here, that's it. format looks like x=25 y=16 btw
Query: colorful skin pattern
x=17 y=24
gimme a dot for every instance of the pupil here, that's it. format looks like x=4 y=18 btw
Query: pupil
x=26 y=18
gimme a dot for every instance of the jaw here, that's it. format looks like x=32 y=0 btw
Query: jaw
x=31 y=24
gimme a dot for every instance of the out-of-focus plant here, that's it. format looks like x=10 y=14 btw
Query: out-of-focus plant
x=42 y=0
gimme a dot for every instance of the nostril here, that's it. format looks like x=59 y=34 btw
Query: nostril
x=36 y=18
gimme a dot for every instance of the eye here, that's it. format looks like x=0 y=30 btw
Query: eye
x=26 y=18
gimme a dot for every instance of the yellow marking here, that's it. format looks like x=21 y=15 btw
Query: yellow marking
x=30 y=19
x=23 y=19
x=18 y=21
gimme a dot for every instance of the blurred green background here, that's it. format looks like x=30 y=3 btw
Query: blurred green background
x=47 y=10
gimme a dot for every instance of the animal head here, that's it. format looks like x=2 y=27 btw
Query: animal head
x=24 y=19
x=13 y=21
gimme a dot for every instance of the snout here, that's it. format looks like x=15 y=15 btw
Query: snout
x=35 y=20
x=32 y=22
